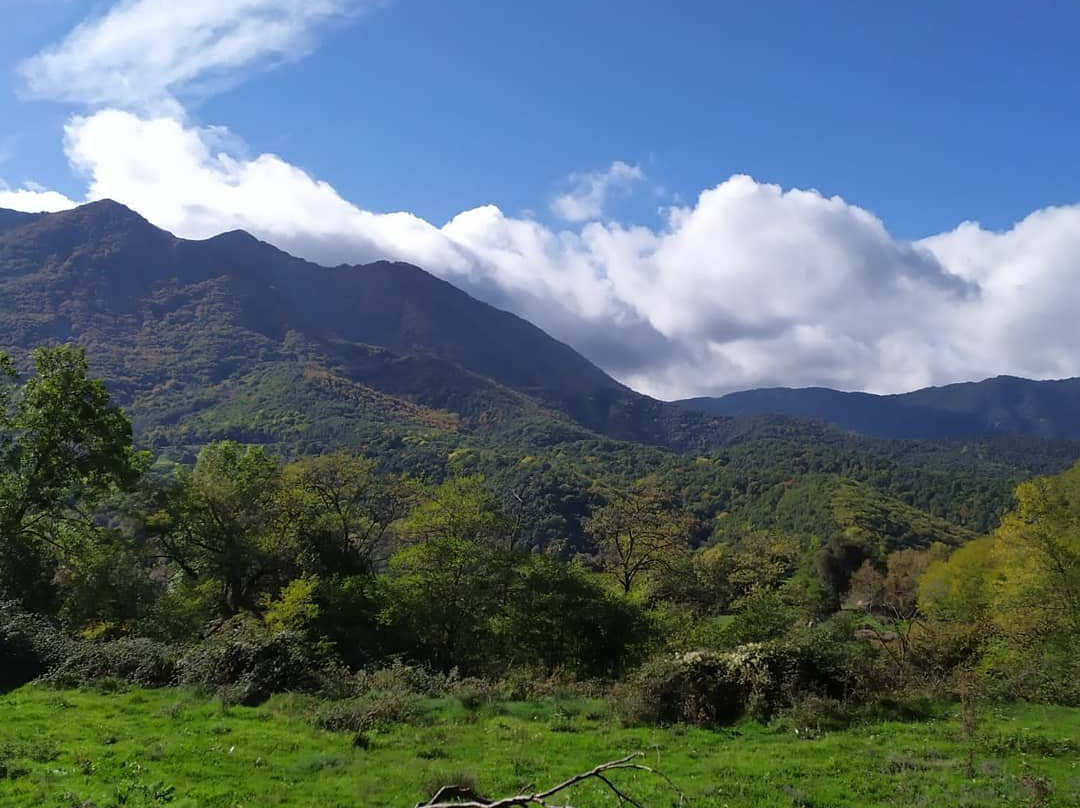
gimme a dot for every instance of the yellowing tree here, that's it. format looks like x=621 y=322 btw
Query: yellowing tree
x=1020 y=590
x=1037 y=598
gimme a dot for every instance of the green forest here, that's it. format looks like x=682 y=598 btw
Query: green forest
x=810 y=588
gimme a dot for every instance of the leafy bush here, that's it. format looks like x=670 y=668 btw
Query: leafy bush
x=414 y=679
x=30 y=645
x=473 y=693
x=368 y=712
x=703 y=688
x=246 y=662
x=812 y=715
x=758 y=680
x=525 y=684
x=828 y=660
x=136 y=660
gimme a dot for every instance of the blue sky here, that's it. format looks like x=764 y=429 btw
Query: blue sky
x=926 y=113
x=919 y=115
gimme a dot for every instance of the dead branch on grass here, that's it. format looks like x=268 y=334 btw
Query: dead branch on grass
x=453 y=796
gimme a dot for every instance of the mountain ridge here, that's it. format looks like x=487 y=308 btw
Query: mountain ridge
x=230 y=338
x=152 y=309
x=998 y=405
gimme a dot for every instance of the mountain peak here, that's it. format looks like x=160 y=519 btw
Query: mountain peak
x=108 y=211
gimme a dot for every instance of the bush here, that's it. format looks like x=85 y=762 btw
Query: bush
x=813 y=715
x=30 y=646
x=756 y=680
x=414 y=679
x=473 y=693
x=136 y=660
x=247 y=663
x=524 y=684
x=365 y=713
x=828 y=660
x=702 y=688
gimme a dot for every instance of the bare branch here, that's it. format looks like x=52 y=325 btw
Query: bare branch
x=541 y=798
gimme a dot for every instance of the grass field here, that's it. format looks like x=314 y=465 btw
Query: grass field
x=171 y=747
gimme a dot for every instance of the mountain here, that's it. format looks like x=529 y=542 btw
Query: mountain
x=10 y=219
x=231 y=338
x=1005 y=405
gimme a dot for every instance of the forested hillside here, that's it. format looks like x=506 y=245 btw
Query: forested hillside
x=253 y=574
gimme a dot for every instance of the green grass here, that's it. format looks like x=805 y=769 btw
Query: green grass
x=172 y=747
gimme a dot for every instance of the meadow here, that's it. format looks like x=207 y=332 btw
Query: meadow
x=67 y=748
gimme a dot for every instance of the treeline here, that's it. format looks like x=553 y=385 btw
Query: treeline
x=244 y=571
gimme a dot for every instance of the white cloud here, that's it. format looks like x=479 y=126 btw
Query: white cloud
x=141 y=52
x=590 y=191
x=32 y=198
x=748 y=285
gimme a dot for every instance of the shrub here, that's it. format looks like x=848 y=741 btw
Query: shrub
x=758 y=680
x=812 y=715
x=828 y=660
x=413 y=679
x=703 y=688
x=365 y=713
x=473 y=693
x=136 y=660
x=247 y=663
x=30 y=646
x=523 y=684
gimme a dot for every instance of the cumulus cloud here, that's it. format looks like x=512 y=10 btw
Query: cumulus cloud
x=32 y=198
x=140 y=53
x=749 y=285
x=590 y=191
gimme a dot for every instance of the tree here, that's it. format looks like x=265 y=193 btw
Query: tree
x=637 y=532
x=762 y=560
x=454 y=573
x=866 y=588
x=222 y=521
x=1018 y=591
x=462 y=509
x=958 y=589
x=1039 y=558
x=343 y=510
x=1036 y=594
x=556 y=616
x=64 y=448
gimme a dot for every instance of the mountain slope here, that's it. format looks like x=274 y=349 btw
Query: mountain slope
x=164 y=317
x=1004 y=405
x=204 y=339
x=107 y=249
x=231 y=338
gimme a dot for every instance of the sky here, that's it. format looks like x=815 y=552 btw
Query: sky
x=699 y=197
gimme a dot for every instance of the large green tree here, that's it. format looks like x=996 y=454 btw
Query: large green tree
x=343 y=510
x=1020 y=588
x=64 y=448
x=222 y=522
x=453 y=574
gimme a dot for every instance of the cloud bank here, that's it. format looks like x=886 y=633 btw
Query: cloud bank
x=749 y=285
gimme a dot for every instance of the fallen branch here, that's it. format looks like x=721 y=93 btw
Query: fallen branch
x=540 y=798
